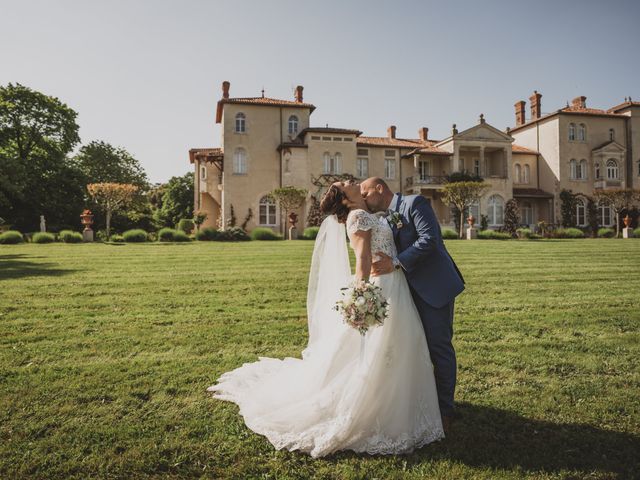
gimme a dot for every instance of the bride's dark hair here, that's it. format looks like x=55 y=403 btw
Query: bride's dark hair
x=332 y=204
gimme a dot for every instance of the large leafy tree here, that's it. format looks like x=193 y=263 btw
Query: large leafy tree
x=177 y=200
x=101 y=162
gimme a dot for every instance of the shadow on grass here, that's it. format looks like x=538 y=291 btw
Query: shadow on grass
x=488 y=437
x=15 y=266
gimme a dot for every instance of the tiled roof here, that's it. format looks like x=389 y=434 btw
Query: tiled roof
x=531 y=193
x=430 y=149
x=571 y=110
x=586 y=111
x=518 y=149
x=393 y=142
x=270 y=102
x=205 y=154
x=624 y=105
x=330 y=130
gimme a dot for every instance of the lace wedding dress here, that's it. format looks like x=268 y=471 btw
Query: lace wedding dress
x=376 y=395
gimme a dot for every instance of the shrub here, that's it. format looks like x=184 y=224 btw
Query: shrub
x=136 y=235
x=606 y=233
x=568 y=233
x=207 y=234
x=262 y=233
x=524 y=232
x=310 y=233
x=234 y=234
x=167 y=234
x=69 y=236
x=449 y=234
x=43 y=237
x=11 y=237
x=636 y=232
x=180 y=236
x=493 y=235
x=186 y=225
x=117 y=238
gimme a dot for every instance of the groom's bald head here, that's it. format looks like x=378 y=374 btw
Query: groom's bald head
x=376 y=193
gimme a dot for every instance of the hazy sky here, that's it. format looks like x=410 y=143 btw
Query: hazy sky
x=146 y=75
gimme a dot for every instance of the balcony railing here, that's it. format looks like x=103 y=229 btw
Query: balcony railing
x=426 y=180
x=604 y=183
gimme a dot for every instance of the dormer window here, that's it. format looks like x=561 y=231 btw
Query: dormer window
x=293 y=125
x=241 y=126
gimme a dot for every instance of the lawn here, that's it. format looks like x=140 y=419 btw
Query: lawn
x=106 y=352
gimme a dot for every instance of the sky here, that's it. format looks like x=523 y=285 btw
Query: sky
x=145 y=75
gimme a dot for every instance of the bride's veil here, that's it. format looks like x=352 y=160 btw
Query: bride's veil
x=330 y=271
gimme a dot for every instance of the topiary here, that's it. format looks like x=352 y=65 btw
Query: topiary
x=11 y=237
x=636 y=232
x=511 y=217
x=117 y=238
x=310 y=233
x=186 y=225
x=166 y=234
x=262 y=233
x=136 y=235
x=180 y=236
x=449 y=234
x=69 y=236
x=207 y=234
x=606 y=233
x=568 y=233
x=43 y=237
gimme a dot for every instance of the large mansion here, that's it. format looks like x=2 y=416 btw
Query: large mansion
x=268 y=143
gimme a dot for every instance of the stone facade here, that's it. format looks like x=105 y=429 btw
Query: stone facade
x=268 y=143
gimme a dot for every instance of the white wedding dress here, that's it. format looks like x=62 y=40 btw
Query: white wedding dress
x=376 y=395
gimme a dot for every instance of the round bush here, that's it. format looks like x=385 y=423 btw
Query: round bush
x=43 y=237
x=449 y=234
x=524 y=232
x=167 y=234
x=569 y=233
x=136 y=235
x=234 y=234
x=186 y=225
x=180 y=236
x=310 y=233
x=117 y=238
x=493 y=235
x=606 y=233
x=207 y=234
x=636 y=232
x=11 y=237
x=262 y=233
x=68 y=236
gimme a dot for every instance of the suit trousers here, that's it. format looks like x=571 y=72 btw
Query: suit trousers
x=438 y=328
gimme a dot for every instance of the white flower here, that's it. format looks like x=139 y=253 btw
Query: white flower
x=360 y=301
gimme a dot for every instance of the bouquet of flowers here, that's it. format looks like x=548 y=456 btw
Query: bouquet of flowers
x=363 y=306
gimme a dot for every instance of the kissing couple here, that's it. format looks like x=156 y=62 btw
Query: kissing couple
x=391 y=390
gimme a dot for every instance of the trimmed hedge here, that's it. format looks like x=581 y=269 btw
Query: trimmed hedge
x=186 y=225
x=606 y=233
x=69 y=236
x=262 y=233
x=43 y=237
x=568 y=233
x=493 y=235
x=207 y=234
x=117 y=238
x=166 y=234
x=235 y=234
x=449 y=234
x=310 y=233
x=11 y=237
x=136 y=235
x=636 y=232
x=180 y=236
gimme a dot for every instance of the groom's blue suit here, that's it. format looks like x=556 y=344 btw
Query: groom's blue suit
x=435 y=281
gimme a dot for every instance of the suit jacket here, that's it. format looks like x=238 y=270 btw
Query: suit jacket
x=429 y=268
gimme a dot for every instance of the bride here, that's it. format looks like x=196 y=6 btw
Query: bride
x=373 y=394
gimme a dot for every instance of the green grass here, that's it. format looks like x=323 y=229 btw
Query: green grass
x=106 y=352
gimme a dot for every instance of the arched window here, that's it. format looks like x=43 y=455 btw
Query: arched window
x=526 y=178
x=496 y=210
x=293 y=125
x=612 y=169
x=581 y=212
x=605 y=215
x=572 y=131
x=203 y=172
x=527 y=213
x=240 y=161
x=267 y=211
x=327 y=162
x=612 y=134
x=583 y=169
x=573 y=169
x=241 y=125
x=517 y=173
x=337 y=165
x=582 y=132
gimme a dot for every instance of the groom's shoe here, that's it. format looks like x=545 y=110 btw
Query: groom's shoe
x=446 y=425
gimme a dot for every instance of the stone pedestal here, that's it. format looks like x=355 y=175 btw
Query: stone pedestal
x=293 y=233
x=472 y=233
x=627 y=232
x=87 y=235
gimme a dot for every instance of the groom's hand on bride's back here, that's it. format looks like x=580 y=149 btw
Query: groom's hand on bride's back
x=383 y=266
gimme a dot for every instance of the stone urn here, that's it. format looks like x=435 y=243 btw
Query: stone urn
x=471 y=220
x=627 y=231
x=627 y=221
x=293 y=231
x=87 y=220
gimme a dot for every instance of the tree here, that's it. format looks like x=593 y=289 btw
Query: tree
x=511 y=217
x=111 y=196
x=101 y=162
x=568 y=208
x=462 y=195
x=618 y=199
x=199 y=217
x=177 y=201
x=289 y=198
x=592 y=216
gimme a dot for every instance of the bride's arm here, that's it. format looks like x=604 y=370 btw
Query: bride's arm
x=361 y=243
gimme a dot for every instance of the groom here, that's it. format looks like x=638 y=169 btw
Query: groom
x=433 y=277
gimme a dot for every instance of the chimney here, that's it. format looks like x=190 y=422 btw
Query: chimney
x=423 y=133
x=299 y=89
x=536 y=105
x=579 y=102
x=391 y=131
x=520 y=112
x=225 y=89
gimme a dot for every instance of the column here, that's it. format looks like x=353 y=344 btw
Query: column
x=483 y=167
x=455 y=167
x=506 y=162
